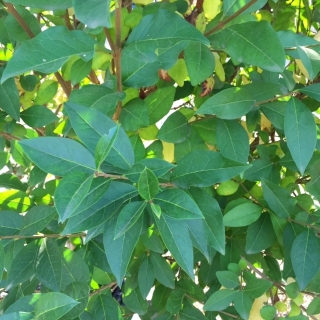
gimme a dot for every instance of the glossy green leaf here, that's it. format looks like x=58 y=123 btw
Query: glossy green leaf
x=46 y=92
x=213 y=222
x=22 y=266
x=231 y=6
x=36 y=219
x=300 y=131
x=162 y=270
x=104 y=145
x=253 y=43
x=260 y=235
x=275 y=112
x=205 y=168
x=228 y=279
x=58 y=156
x=100 y=207
x=233 y=140
x=145 y=277
x=128 y=216
x=91 y=124
x=255 y=287
x=148 y=185
x=45 y=4
x=134 y=302
x=243 y=304
x=177 y=204
x=134 y=115
x=231 y=103
x=261 y=168
x=190 y=313
x=312 y=91
x=94 y=14
x=119 y=250
x=175 y=129
x=156 y=209
x=10 y=222
x=200 y=62
x=304 y=257
x=48 y=264
x=49 y=59
x=155 y=44
x=219 y=300
x=278 y=199
x=174 y=301
x=24 y=304
x=314 y=306
x=102 y=306
x=310 y=59
x=53 y=305
x=2 y=257
x=38 y=116
x=242 y=215
x=175 y=235
x=9 y=98
x=159 y=103
x=97 y=97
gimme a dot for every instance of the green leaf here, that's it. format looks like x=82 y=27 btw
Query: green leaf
x=175 y=129
x=175 y=235
x=275 y=112
x=22 y=266
x=159 y=103
x=231 y=103
x=24 y=304
x=100 y=208
x=46 y=91
x=128 y=216
x=200 y=62
x=310 y=59
x=36 y=219
x=156 y=209
x=219 y=300
x=10 y=222
x=313 y=91
x=231 y=6
x=300 y=131
x=58 y=156
x=152 y=241
x=205 y=168
x=254 y=43
x=15 y=200
x=48 y=51
x=148 y=185
x=242 y=215
x=255 y=287
x=90 y=125
x=119 y=250
x=177 y=204
x=9 y=98
x=260 y=235
x=105 y=145
x=2 y=257
x=243 y=304
x=162 y=270
x=261 y=168
x=53 y=305
x=233 y=140
x=97 y=97
x=134 y=115
x=314 y=307
x=278 y=199
x=191 y=313
x=228 y=279
x=45 y=4
x=145 y=277
x=155 y=44
x=134 y=302
x=94 y=14
x=214 y=227
x=38 y=116
x=174 y=301
x=104 y=306
x=48 y=264
x=305 y=258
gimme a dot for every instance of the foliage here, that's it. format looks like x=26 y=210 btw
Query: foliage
x=161 y=147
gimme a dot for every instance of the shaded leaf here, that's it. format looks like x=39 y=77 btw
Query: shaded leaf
x=162 y=270
x=219 y=300
x=148 y=185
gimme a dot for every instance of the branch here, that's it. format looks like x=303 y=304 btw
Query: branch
x=108 y=35
x=67 y=20
x=12 y=10
x=107 y=286
x=93 y=77
x=117 y=56
x=9 y=136
x=222 y=23
x=41 y=236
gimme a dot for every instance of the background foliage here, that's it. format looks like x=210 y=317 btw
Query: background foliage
x=168 y=147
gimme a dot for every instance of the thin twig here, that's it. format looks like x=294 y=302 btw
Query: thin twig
x=41 y=236
x=67 y=20
x=117 y=56
x=9 y=136
x=93 y=77
x=109 y=38
x=107 y=286
x=222 y=23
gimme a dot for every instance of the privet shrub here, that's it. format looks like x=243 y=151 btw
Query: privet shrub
x=159 y=158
